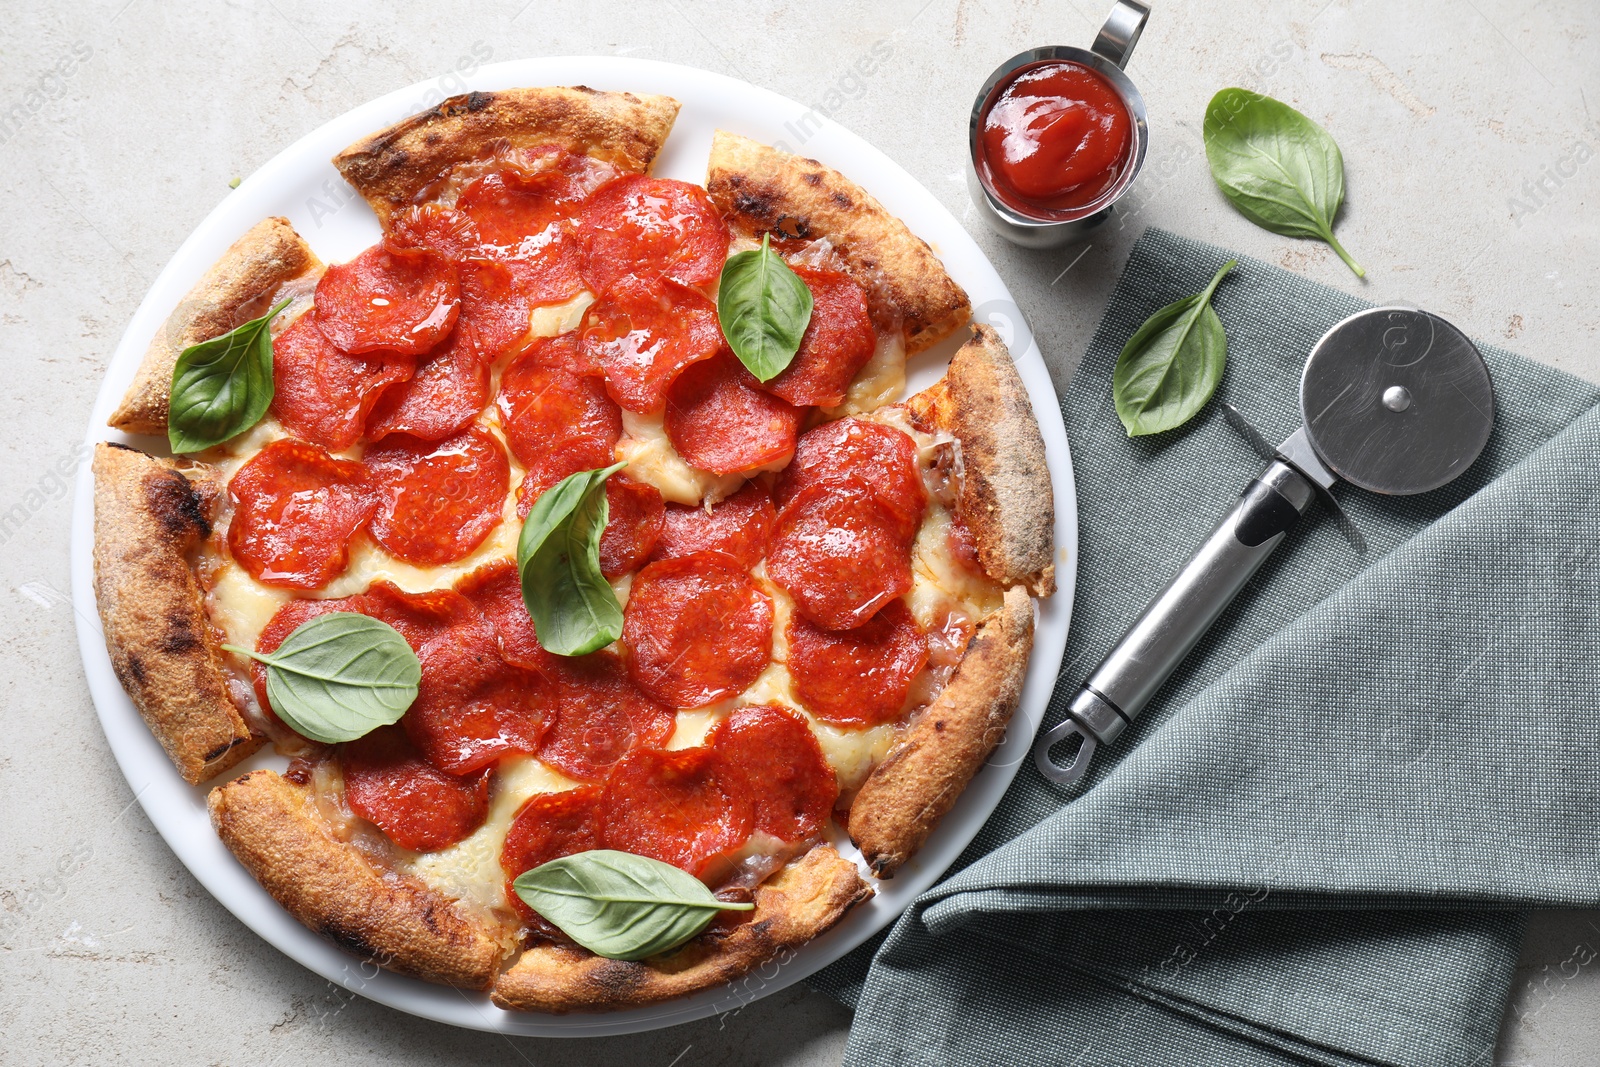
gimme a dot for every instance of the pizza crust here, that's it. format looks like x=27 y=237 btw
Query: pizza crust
x=395 y=167
x=921 y=778
x=240 y=286
x=148 y=520
x=762 y=190
x=1005 y=497
x=800 y=903
x=268 y=823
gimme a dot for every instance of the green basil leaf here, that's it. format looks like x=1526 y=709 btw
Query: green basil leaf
x=221 y=387
x=340 y=676
x=619 y=905
x=764 y=309
x=1281 y=170
x=574 y=608
x=1171 y=365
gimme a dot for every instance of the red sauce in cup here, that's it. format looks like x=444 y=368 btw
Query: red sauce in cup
x=1054 y=140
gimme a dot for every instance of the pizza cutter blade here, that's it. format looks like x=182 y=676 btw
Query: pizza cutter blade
x=1395 y=401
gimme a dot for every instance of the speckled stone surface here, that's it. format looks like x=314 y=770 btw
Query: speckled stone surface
x=1470 y=154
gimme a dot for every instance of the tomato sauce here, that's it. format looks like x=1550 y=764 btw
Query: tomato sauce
x=1055 y=140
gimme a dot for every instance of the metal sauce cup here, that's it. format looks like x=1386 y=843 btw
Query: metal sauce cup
x=1109 y=55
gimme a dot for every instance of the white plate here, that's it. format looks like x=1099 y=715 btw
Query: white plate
x=301 y=184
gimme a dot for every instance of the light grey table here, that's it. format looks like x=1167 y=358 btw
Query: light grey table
x=1468 y=144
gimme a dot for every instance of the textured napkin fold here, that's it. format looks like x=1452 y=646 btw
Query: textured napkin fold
x=1317 y=842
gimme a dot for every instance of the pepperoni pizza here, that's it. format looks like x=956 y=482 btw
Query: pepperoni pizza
x=826 y=589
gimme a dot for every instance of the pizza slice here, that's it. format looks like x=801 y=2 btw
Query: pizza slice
x=825 y=591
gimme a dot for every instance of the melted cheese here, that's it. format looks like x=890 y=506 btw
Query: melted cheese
x=370 y=564
x=652 y=459
x=470 y=869
x=241 y=605
x=852 y=753
x=881 y=382
x=938 y=579
x=553 y=319
x=692 y=726
x=620 y=588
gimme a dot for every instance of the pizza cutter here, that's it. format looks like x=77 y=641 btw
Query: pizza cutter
x=1395 y=401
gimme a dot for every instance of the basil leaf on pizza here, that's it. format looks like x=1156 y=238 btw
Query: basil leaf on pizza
x=574 y=609
x=764 y=308
x=340 y=676
x=221 y=387
x=620 y=905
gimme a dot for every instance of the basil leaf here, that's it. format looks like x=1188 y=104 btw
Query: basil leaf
x=764 y=309
x=221 y=387
x=619 y=905
x=1281 y=170
x=1171 y=365
x=574 y=608
x=340 y=676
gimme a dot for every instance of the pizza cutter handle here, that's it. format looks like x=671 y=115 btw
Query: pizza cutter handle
x=1118 y=690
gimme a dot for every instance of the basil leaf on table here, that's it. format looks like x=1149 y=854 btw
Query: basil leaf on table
x=1172 y=364
x=619 y=905
x=574 y=608
x=340 y=676
x=221 y=387
x=1281 y=170
x=764 y=309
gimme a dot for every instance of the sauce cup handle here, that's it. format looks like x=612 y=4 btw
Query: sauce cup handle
x=1121 y=31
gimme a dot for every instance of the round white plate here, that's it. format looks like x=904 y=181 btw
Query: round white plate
x=301 y=184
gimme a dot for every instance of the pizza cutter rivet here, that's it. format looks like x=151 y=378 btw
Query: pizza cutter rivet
x=1396 y=398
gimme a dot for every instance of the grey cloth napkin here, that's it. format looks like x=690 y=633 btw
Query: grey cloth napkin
x=1315 y=845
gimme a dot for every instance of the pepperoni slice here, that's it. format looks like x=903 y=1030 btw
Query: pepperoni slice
x=652 y=227
x=792 y=786
x=446 y=393
x=522 y=213
x=545 y=265
x=419 y=806
x=511 y=204
x=322 y=394
x=837 y=343
x=740 y=527
x=494 y=315
x=860 y=456
x=634 y=525
x=859 y=677
x=676 y=807
x=547 y=827
x=697 y=629
x=294 y=510
x=496 y=590
x=601 y=716
x=473 y=707
x=389 y=298
x=720 y=419
x=444 y=230
x=642 y=333
x=437 y=502
x=838 y=553
x=284 y=622
x=452 y=385
x=546 y=406
x=421 y=618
